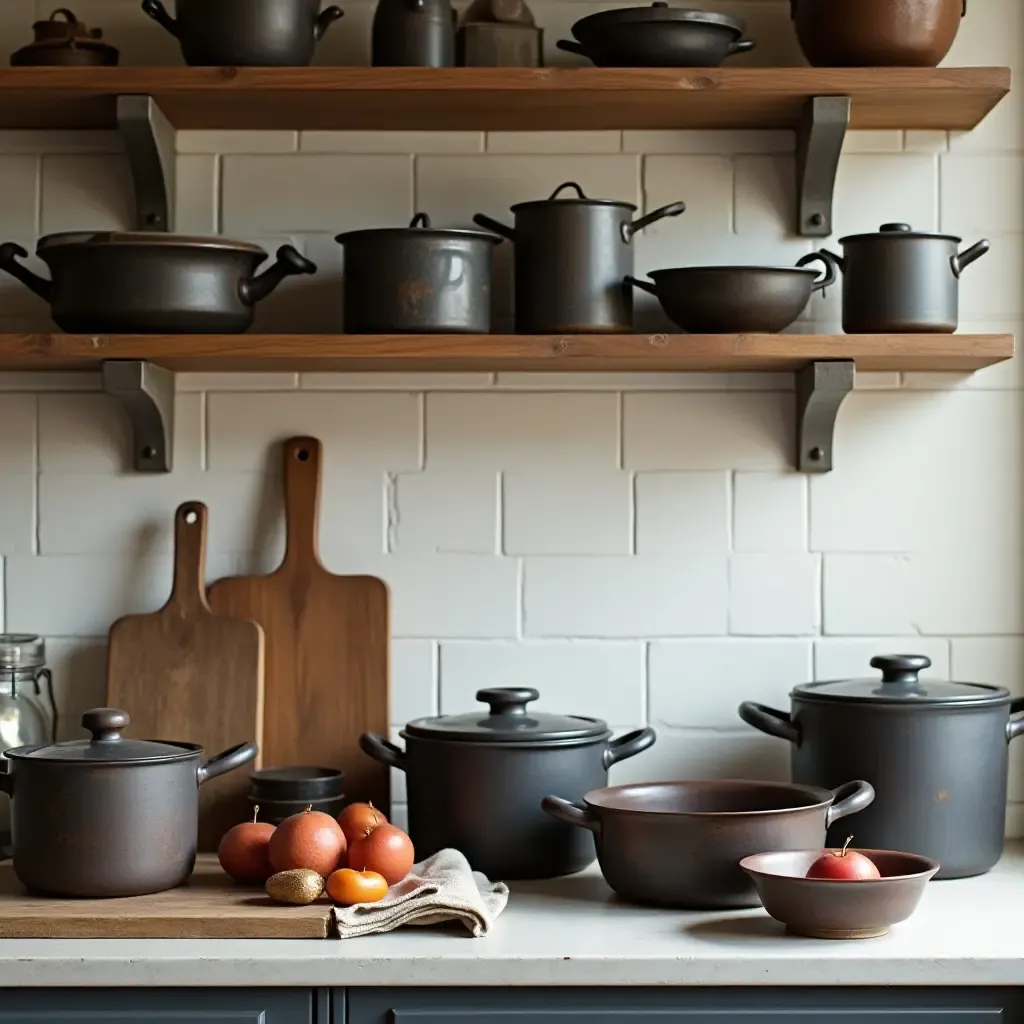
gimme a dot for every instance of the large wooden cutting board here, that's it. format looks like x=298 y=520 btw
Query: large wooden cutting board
x=327 y=644
x=187 y=674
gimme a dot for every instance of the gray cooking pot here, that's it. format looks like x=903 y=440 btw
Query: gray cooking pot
x=936 y=753
x=899 y=281
x=476 y=782
x=108 y=816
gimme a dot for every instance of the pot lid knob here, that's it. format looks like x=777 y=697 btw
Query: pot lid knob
x=510 y=700
x=901 y=669
x=892 y=229
x=421 y=220
x=105 y=724
x=659 y=3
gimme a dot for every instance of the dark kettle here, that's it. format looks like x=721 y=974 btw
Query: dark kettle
x=413 y=33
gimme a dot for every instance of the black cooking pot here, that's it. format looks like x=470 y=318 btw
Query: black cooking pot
x=246 y=33
x=476 y=781
x=417 y=280
x=936 y=753
x=899 y=281
x=571 y=260
x=134 y=283
x=108 y=816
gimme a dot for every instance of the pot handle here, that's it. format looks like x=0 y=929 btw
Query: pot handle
x=836 y=262
x=831 y=268
x=572 y=814
x=289 y=262
x=963 y=13
x=630 y=228
x=493 y=225
x=382 y=750
x=231 y=759
x=325 y=19
x=633 y=743
x=775 y=723
x=9 y=253
x=644 y=286
x=156 y=10
x=968 y=256
x=1014 y=729
x=848 y=799
x=741 y=46
x=572 y=47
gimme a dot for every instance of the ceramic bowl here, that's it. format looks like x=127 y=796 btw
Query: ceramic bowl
x=275 y=811
x=824 y=908
x=295 y=782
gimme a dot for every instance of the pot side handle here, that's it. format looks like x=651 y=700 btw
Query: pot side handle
x=630 y=228
x=572 y=814
x=633 y=743
x=968 y=256
x=325 y=19
x=1014 y=729
x=848 y=799
x=644 y=286
x=742 y=46
x=289 y=262
x=572 y=47
x=226 y=762
x=832 y=268
x=382 y=750
x=156 y=10
x=9 y=253
x=482 y=220
x=774 y=723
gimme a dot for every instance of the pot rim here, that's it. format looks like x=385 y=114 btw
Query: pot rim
x=906 y=236
x=534 y=744
x=83 y=239
x=574 y=201
x=754 y=864
x=804 y=271
x=187 y=752
x=997 y=698
x=429 y=234
x=657 y=14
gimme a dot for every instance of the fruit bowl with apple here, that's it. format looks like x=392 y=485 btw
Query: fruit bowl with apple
x=841 y=893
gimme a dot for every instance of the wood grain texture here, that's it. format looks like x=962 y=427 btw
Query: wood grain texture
x=184 y=673
x=510 y=99
x=326 y=644
x=509 y=352
x=209 y=906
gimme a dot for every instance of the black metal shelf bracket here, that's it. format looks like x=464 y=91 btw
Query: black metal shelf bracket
x=820 y=390
x=146 y=394
x=819 y=143
x=149 y=142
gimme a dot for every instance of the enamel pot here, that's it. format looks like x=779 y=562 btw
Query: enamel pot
x=935 y=751
x=476 y=781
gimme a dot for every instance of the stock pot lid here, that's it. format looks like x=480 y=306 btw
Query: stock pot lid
x=420 y=227
x=889 y=232
x=899 y=684
x=657 y=12
x=148 y=238
x=508 y=721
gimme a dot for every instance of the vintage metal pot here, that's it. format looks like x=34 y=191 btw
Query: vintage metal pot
x=572 y=257
x=679 y=844
x=63 y=41
x=417 y=280
x=108 y=816
x=936 y=753
x=246 y=33
x=900 y=281
x=135 y=283
x=413 y=33
x=476 y=781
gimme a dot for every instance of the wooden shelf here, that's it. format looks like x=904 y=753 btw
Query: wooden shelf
x=511 y=99
x=502 y=352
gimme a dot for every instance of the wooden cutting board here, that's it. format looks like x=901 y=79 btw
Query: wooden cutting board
x=209 y=906
x=187 y=674
x=326 y=644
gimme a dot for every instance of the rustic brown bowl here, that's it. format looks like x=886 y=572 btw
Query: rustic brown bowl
x=825 y=908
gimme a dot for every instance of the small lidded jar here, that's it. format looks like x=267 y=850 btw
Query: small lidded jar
x=28 y=714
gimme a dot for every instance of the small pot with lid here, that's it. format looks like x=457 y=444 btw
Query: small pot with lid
x=936 y=753
x=476 y=782
x=63 y=41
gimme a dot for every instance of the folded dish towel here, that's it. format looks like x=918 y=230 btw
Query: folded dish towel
x=441 y=888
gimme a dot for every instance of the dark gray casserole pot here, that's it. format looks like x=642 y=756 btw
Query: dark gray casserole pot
x=936 y=753
x=476 y=781
x=108 y=816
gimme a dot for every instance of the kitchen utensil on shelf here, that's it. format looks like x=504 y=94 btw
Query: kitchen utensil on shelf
x=417 y=280
x=275 y=811
x=63 y=41
x=572 y=256
x=413 y=33
x=296 y=782
x=189 y=672
x=108 y=816
x=326 y=643
x=935 y=751
x=658 y=36
x=137 y=283
x=499 y=34
x=679 y=844
x=876 y=33
x=899 y=281
x=246 y=33
x=475 y=781
x=825 y=908
x=732 y=300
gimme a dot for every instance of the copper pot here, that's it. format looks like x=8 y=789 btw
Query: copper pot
x=876 y=33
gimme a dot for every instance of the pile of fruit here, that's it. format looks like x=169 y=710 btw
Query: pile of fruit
x=353 y=858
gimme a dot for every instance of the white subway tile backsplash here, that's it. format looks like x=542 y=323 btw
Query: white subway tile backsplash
x=554 y=142
x=981 y=195
x=712 y=143
x=17 y=514
x=195 y=197
x=769 y=512
x=449 y=512
x=79 y=667
x=774 y=595
x=413 y=680
x=865 y=595
x=997 y=660
x=201 y=141
x=86 y=193
x=682 y=512
x=704 y=183
x=391 y=142
x=19 y=198
x=18 y=415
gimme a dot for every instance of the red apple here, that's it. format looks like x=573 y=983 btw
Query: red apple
x=843 y=865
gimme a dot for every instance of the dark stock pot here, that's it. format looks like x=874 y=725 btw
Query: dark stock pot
x=476 y=782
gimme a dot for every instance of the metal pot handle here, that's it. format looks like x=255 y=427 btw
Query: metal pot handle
x=571 y=47
x=630 y=228
x=325 y=19
x=382 y=750
x=831 y=268
x=1014 y=729
x=572 y=814
x=568 y=184
x=158 y=13
x=633 y=743
x=644 y=286
x=968 y=256
x=741 y=46
x=848 y=799
x=289 y=262
x=493 y=225
x=421 y=220
x=963 y=13
x=775 y=723
x=9 y=253
x=228 y=761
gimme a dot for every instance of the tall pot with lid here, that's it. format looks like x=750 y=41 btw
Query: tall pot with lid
x=936 y=753
x=476 y=782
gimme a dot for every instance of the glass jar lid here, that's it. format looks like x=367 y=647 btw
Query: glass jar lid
x=20 y=651
x=900 y=684
x=508 y=721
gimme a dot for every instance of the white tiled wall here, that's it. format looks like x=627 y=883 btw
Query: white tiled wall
x=637 y=547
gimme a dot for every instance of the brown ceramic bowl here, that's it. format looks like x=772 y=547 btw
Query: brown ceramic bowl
x=275 y=811
x=824 y=908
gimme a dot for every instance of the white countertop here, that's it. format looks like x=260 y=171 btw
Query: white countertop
x=571 y=931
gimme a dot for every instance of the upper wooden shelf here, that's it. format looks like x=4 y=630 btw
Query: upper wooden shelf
x=511 y=99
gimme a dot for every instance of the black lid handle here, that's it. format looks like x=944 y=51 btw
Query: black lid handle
x=421 y=220
x=565 y=185
x=508 y=700
x=901 y=668
x=105 y=724
x=893 y=229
